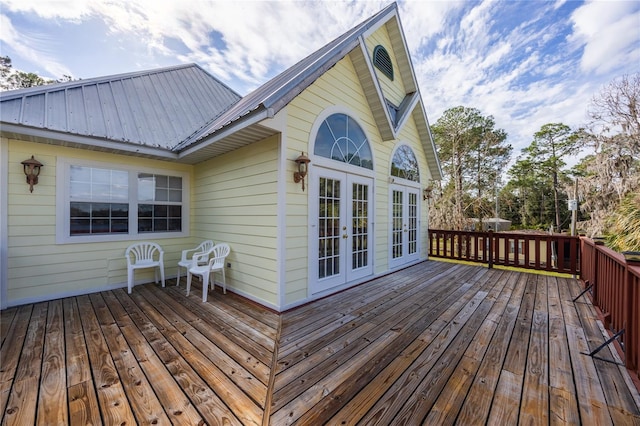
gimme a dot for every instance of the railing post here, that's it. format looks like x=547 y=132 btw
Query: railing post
x=595 y=258
x=491 y=248
x=632 y=332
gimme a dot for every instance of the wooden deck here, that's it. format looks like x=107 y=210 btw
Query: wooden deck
x=436 y=343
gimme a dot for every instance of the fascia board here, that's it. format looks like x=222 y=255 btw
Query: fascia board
x=83 y=142
x=421 y=121
x=402 y=54
x=407 y=110
x=227 y=131
x=379 y=97
x=381 y=22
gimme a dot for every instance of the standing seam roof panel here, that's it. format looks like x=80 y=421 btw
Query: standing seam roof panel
x=93 y=108
x=34 y=109
x=57 y=111
x=11 y=110
x=158 y=108
x=126 y=111
x=185 y=109
x=138 y=116
x=75 y=102
x=164 y=130
x=113 y=125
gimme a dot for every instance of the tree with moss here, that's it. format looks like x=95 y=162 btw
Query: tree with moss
x=472 y=152
x=609 y=176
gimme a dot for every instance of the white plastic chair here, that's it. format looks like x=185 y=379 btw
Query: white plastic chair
x=207 y=271
x=186 y=259
x=144 y=255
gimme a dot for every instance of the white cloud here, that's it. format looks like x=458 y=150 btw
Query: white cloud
x=609 y=33
x=28 y=46
x=72 y=10
x=525 y=63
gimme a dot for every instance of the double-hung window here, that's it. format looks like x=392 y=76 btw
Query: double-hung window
x=106 y=202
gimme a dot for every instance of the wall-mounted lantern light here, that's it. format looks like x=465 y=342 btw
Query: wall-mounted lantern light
x=32 y=170
x=426 y=193
x=302 y=161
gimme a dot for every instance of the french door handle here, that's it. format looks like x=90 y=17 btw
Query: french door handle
x=345 y=236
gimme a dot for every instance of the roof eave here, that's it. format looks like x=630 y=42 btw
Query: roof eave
x=372 y=91
x=245 y=121
x=32 y=134
x=428 y=142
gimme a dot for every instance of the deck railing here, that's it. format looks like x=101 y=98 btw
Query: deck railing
x=615 y=284
x=554 y=252
x=615 y=289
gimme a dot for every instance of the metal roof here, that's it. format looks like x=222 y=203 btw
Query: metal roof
x=158 y=108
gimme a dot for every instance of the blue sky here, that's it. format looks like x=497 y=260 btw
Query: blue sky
x=527 y=63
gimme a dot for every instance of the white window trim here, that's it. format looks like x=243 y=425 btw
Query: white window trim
x=63 y=167
x=400 y=180
x=329 y=163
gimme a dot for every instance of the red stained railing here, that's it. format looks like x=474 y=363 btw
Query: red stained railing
x=616 y=292
x=554 y=252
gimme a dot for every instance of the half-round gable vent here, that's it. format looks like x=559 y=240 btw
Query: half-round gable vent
x=382 y=61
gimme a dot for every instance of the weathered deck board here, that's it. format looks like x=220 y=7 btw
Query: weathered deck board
x=478 y=402
x=6 y=319
x=52 y=398
x=10 y=353
x=194 y=388
x=22 y=404
x=436 y=343
x=81 y=394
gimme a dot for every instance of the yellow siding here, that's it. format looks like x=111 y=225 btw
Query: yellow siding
x=37 y=267
x=235 y=201
x=409 y=136
x=393 y=90
x=339 y=86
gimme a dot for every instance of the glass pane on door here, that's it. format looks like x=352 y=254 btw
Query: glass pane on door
x=359 y=226
x=396 y=232
x=329 y=228
x=412 y=221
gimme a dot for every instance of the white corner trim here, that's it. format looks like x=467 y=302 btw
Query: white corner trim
x=4 y=240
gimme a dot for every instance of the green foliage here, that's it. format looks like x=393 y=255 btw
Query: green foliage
x=624 y=225
x=538 y=176
x=473 y=153
x=11 y=78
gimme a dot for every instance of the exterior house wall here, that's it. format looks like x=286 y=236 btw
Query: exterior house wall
x=339 y=88
x=409 y=136
x=235 y=202
x=394 y=90
x=40 y=269
x=245 y=197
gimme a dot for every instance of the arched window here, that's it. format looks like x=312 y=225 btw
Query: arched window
x=382 y=61
x=405 y=165
x=342 y=139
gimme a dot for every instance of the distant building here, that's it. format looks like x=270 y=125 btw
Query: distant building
x=491 y=224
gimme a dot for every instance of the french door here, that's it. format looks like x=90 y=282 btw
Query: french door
x=341 y=243
x=405 y=224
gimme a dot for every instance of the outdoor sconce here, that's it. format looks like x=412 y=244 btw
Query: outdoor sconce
x=426 y=193
x=32 y=170
x=302 y=162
